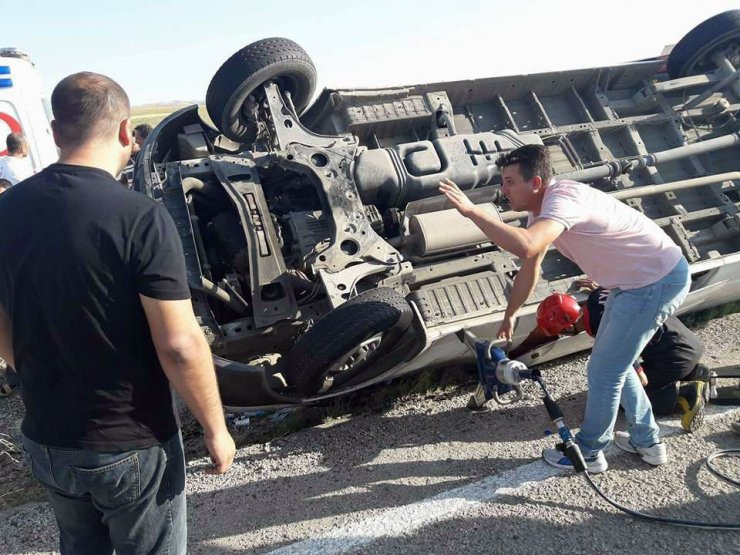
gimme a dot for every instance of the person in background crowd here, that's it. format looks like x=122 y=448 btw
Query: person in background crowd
x=11 y=376
x=141 y=132
x=16 y=166
x=12 y=382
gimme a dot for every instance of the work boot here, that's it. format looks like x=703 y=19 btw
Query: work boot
x=691 y=402
x=700 y=372
x=655 y=454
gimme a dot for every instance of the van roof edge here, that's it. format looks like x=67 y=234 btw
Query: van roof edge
x=12 y=52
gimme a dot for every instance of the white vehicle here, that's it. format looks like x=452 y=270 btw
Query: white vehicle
x=318 y=232
x=24 y=107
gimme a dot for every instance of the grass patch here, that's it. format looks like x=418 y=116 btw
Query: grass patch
x=701 y=318
x=19 y=487
x=437 y=384
x=155 y=113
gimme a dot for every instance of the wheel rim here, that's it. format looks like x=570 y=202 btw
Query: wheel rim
x=703 y=59
x=351 y=359
x=247 y=128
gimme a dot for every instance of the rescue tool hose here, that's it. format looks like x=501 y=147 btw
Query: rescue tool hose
x=573 y=452
x=569 y=447
x=718 y=455
x=664 y=520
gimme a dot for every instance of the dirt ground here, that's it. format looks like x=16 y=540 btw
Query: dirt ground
x=16 y=484
x=18 y=487
x=405 y=467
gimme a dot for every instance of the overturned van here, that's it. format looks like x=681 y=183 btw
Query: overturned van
x=320 y=255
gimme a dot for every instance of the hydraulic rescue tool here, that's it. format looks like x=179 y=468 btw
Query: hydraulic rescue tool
x=499 y=376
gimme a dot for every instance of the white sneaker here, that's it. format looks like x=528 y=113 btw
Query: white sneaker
x=655 y=454
x=596 y=464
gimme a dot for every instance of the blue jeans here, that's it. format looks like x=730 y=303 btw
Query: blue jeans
x=631 y=317
x=130 y=501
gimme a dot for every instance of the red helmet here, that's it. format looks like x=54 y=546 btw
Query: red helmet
x=557 y=313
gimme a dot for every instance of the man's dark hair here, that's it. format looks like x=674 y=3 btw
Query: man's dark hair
x=15 y=143
x=143 y=130
x=532 y=159
x=88 y=106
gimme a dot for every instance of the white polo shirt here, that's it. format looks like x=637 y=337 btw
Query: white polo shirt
x=614 y=244
x=15 y=169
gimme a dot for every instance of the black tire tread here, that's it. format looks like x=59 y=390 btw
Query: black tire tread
x=682 y=56
x=346 y=326
x=248 y=61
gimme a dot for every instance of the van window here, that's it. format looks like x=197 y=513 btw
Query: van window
x=46 y=103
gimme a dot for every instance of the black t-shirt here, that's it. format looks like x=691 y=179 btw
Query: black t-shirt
x=76 y=250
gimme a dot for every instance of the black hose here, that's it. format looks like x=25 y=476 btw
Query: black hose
x=718 y=455
x=554 y=410
x=664 y=520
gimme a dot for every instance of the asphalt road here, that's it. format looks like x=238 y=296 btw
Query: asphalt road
x=429 y=476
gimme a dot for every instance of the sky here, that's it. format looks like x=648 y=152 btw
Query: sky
x=166 y=50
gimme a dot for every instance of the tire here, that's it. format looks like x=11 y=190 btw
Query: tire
x=381 y=315
x=693 y=52
x=274 y=59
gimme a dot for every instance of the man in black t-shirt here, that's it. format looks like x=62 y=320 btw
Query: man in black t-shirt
x=95 y=315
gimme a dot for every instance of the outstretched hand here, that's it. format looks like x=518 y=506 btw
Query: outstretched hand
x=457 y=198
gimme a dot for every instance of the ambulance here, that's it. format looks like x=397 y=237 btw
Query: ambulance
x=25 y=108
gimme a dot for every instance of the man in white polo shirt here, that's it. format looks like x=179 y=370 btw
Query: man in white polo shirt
x=620 y=248
x=16 y=166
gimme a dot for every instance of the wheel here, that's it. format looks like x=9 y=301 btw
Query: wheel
x=274 y=59
x=347 y=340
x=693 y=53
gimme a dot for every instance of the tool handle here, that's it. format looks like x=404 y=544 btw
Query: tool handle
x=509 y=399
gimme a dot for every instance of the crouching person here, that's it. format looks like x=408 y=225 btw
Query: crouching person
x=669 y=367
x=95 y=315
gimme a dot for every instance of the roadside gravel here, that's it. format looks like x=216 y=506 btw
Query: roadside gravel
x=370 y=480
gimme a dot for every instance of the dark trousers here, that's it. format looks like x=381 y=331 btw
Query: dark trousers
x=131 y=501
x=663 y=384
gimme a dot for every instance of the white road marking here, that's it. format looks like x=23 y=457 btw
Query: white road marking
x=404 y=520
